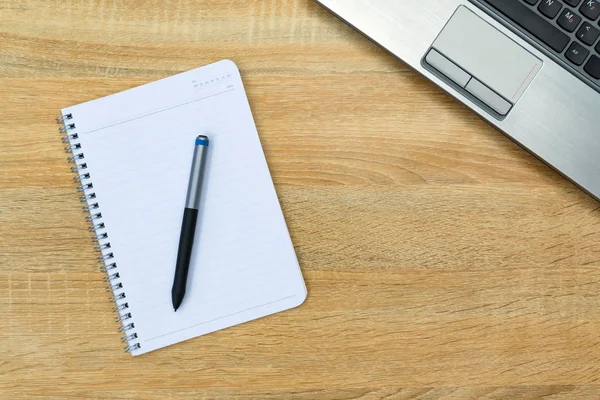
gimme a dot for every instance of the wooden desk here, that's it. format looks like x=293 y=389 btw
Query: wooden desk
x=442 y=261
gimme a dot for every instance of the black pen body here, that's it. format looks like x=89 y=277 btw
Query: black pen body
x=184 y=256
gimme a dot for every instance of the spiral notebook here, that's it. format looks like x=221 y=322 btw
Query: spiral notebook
x=132 y=154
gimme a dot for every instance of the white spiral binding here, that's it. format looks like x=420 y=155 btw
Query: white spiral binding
x=68 y=130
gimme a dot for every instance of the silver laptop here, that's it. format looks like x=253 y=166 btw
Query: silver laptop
x=529 y=67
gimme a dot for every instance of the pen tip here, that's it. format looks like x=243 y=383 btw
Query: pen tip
x=175 y=310
x=177 y=298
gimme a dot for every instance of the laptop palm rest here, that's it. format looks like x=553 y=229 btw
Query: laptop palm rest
x=482 y=62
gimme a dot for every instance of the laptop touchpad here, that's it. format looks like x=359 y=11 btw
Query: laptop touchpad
x=484 y=61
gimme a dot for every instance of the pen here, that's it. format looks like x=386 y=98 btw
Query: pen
x=190 y=216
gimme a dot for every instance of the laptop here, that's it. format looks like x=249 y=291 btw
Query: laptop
x=531 y=68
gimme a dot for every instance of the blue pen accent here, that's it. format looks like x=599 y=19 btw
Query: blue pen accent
x=201 y=142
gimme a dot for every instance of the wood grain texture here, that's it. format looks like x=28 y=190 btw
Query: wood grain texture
x=442 y=261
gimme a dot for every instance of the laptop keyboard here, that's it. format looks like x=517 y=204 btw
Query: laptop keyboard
x=568 y=29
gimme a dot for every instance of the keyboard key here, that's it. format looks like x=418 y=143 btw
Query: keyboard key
x=569 y=20
x=550 y=8
x=590 y=9
x=531 y=2
x=577 y=53
x=593 y=67
x=588 y=34
x=527 y=19
x=573 y=3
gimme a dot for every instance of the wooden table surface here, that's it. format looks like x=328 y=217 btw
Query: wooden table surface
x=442 y=261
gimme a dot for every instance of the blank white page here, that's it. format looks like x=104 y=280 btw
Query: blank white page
x=138 y=148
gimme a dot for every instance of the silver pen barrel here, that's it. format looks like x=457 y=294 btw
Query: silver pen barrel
x=197 y=173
